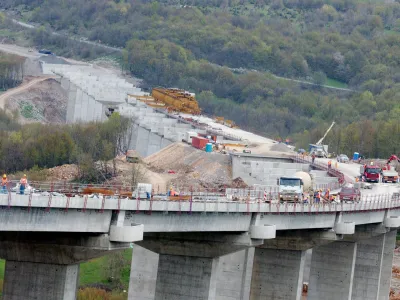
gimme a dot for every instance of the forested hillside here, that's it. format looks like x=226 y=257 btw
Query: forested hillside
x=11 y=71
x=195 y=44
x=45 y=146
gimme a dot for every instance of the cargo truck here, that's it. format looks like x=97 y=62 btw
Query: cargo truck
x=370 y=173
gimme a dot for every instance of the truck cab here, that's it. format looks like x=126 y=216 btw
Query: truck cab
x=370 y=173
x=290 y=189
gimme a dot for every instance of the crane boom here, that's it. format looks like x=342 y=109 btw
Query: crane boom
x=322 y=139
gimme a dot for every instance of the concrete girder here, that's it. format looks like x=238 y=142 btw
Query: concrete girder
x=198 y=244
x=301 y=239
x=56 y=248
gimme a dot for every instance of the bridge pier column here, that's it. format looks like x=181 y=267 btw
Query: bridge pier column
x=143 y=276
x=332 y=271
x=277 y=274
x=373 y=267
x=233 y=279
x=203 y=266
x=186 y=277
x=31 y=281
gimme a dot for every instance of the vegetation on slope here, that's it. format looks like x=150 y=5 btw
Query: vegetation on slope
x=11 y=72
x=46 y=146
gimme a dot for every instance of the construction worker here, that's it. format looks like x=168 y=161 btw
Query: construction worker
x=4 y=182
x=329 y=164
x=171 y=192
x=318 y=196
x=327 y=194
x=336 y=165
x=22 y=184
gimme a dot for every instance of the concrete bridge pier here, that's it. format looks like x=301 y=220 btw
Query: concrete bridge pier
x=27 y=280
x=373 y=267
x=190 y=265
x=332 y=271
x=279 y=263
x=46 y=265
x=359 y=267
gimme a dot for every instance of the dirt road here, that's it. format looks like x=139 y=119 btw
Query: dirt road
x=19 y=89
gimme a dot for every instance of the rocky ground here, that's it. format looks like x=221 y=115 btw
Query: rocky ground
x=44 y=102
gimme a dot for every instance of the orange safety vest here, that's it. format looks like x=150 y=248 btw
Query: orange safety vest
x=3 y=182
x=23 y=181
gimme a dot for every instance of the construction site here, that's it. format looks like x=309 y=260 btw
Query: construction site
x=178 y=154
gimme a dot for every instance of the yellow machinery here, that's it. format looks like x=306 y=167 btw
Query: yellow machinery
x=149 y=100
x=228 y=123
x=177 y=100
x=172 y=99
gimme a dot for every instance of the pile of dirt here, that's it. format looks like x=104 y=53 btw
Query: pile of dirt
x=238 y=183
x=192 y=166
x=61 y=173
x=281 y=148
x=44 y=102
x=396 y=272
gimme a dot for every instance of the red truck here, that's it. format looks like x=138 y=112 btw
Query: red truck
x=370 y=173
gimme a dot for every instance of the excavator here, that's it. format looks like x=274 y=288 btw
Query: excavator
x=318 y=149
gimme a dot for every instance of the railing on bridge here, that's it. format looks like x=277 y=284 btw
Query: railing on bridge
x=331 y=171
x=367 y=203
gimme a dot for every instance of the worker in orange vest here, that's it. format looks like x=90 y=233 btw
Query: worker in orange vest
x=4 y=182
x=22 y=184
x=327 y=194
x=329 y=164
x=318 y=196
x=172 y=192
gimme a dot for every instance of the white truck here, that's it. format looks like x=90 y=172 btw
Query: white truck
x=143 y=191
x=389 y=174
x=292 y=189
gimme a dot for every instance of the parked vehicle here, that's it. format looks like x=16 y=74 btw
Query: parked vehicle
x=349 y=194
x=370 y=173
x=389 y=173
x=343 y=158
x=45 y=51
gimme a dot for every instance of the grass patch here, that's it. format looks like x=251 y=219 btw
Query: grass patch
x=335 y=83
x=92 y=272
x=28 y=111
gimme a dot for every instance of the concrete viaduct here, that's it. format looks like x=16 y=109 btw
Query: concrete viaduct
x=201 y=249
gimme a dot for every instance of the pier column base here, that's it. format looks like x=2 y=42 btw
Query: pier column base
x=32 y=281
x=277 y=274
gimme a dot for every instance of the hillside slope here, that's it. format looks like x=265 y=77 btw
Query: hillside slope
x=184 y=43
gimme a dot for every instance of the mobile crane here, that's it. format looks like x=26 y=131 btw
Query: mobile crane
x=318 y=149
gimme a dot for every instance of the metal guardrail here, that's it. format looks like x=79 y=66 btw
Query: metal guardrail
x=331 y=171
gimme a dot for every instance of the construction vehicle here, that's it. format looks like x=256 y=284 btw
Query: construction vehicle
x=292 y=189
x=370 y=172
x=318 y=149
x=389 y=174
